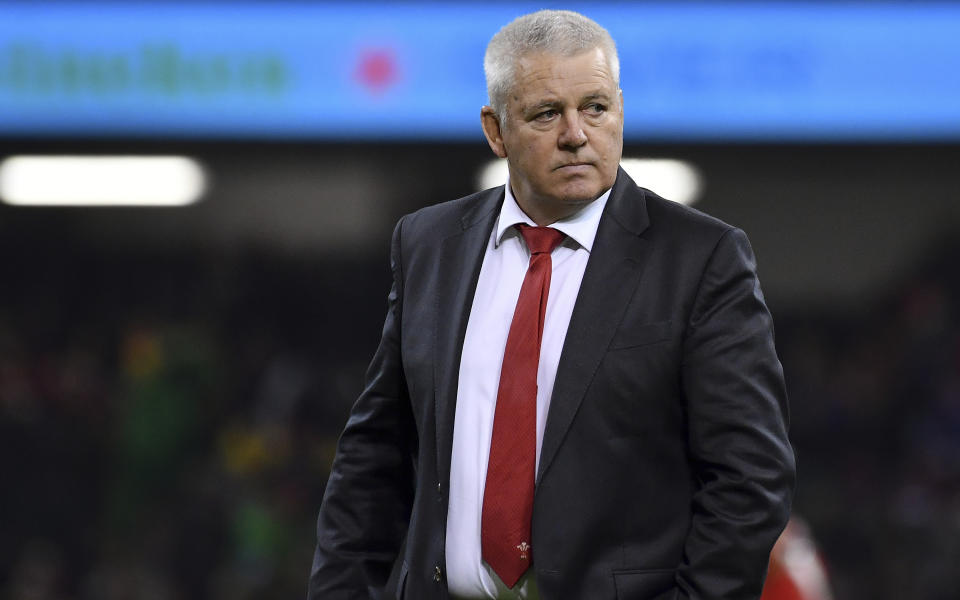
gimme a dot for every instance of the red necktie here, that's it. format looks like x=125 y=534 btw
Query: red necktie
x=508 y=493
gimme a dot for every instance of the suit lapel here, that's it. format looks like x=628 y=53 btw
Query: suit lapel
x=613 y=270
x=461 y=256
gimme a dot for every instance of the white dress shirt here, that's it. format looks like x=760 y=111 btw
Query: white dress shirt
x=504 y=266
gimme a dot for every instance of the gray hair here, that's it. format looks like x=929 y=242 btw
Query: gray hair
x=558 y=32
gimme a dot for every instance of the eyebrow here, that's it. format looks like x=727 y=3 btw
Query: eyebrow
x=597 y=96
x=541 y=105
x=554 y=103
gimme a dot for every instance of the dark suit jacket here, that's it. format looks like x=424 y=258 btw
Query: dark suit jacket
x=665 y=470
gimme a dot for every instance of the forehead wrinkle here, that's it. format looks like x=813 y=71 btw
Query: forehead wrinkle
x=550 y=83
x=550 y=90
x=557 y=67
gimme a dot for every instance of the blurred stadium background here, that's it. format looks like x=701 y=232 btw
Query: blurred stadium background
x=173 y=378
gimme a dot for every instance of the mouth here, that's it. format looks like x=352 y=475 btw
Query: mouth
x=575 y=166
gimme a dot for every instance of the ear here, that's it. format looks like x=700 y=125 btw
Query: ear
x=491 y=129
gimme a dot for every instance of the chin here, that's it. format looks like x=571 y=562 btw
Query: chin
x=580 y=194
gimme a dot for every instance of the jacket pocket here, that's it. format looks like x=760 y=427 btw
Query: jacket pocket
x=645 y=584
x=640 y=335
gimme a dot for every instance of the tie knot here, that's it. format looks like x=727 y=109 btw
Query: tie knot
x=540 y=240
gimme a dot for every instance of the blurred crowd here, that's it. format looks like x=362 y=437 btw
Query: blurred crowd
x=167 y=426
x=167 y=423
x=875 y=400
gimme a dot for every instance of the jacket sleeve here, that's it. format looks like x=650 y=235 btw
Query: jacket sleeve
x=366 y=506
x=737 y=417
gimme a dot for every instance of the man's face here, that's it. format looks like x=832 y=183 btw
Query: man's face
x=563 y=132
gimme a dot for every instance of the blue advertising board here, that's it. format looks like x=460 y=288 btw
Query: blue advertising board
x=691 y=71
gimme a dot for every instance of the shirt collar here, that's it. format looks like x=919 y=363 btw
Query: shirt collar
x=581 y=226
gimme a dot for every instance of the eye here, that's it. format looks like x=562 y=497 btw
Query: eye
x=595 y=108
x=545 y=115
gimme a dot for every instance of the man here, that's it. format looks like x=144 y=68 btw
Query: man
x=590 y=410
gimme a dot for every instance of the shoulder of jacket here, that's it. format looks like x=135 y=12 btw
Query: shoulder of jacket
x=686 y=226
x=675 y=214
x=450 y=216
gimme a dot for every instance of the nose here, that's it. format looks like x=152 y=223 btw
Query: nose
x=572 y=134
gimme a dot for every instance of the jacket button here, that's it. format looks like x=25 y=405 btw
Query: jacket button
x=437 y=574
